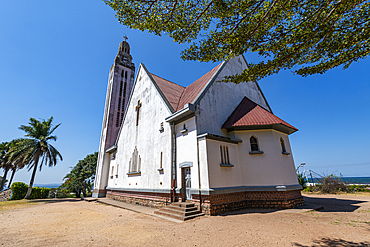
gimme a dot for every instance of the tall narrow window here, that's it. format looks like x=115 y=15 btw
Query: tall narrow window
x=138 y=112
x=122 y=73
x=117 y=171
x=254 y=144
x=227 y=155
x=222 y=155
x=111 y=172
x=282 y=145
x=161 y=160
x=225 y=160
x=125 y=74
x=119 y=105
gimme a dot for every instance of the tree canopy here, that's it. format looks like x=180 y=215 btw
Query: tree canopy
x=35 y=150
x=81 y=177
x=306 y=36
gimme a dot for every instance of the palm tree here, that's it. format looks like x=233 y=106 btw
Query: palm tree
x=13 y=165
x=36 y=150
x=4 y=148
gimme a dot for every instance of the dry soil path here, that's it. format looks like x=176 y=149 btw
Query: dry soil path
x=345 y=221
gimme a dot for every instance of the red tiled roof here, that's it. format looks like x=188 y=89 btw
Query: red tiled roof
x=194 y=89
x=171 y=91
x=179 y=96
x=248 y=113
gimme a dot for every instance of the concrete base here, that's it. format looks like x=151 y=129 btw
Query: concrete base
x=98 y=193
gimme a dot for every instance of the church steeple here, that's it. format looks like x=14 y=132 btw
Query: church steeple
x=120 y=84
x=123 y=56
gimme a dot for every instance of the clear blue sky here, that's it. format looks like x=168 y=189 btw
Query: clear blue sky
x=55 y=58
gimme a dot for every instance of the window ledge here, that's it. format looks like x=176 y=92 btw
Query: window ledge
x=134 y=173
x=256 y=152
x=160 y=169
x=183 y=131
x=285 y=153
x=226 y=165
x=161 y=129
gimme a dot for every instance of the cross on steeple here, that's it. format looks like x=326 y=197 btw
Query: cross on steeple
x=125 y=37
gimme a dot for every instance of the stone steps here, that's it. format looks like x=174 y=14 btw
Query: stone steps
x=180 y=211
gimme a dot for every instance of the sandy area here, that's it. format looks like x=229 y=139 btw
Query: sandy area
x=345 y=221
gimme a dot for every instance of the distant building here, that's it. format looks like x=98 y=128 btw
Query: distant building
x=216 y=144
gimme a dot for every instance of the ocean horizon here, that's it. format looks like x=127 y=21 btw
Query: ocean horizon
x=54 y=185
x=347 y=180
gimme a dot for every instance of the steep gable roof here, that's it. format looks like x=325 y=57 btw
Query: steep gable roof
x=193 y=90
x=171 y=91
x=177 y=95
x=249 y=115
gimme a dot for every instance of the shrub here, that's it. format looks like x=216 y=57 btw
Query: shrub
x=19 y=190
x=60 y=193
x=39 y=193
x=358 y=188
x=308 y=189
x=332 y=184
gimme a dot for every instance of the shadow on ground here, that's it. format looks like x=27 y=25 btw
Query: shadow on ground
x=334 y=242
x=326 y=205
x=55 y=200
x=334 y=204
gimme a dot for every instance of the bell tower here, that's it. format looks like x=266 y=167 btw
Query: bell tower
x=120 y=83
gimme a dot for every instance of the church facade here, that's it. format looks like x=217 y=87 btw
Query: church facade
x=215 y=144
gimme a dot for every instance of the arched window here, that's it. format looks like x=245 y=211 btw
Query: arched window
x=254 y=144
x=282 y=145
x=283 y=149
x=135 y=162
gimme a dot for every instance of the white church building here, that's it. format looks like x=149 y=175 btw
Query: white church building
x=215 y=144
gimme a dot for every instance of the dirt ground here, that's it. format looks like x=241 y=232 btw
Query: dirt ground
x=345 y=221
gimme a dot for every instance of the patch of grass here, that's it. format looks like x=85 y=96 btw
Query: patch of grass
x=357 y=221
x=335 y=223
x=364 y=211
x=16 y=204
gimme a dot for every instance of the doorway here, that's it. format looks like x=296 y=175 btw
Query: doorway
x=187 y=182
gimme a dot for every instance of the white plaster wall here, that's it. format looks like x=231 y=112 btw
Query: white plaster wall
x=203 y=164
x=186 y=151
x=223 y=176
x=221 y=99
x=271 y=168
x=146 y=137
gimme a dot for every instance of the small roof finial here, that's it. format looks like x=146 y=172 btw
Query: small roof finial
x=125 y=37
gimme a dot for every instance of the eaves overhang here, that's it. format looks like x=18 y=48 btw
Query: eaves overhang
x=218 y=138
x=185 y=113
x=111 y=149
x=278 y=127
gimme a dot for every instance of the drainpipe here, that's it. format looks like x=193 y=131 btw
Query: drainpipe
x=200 y=187
x=173 y=162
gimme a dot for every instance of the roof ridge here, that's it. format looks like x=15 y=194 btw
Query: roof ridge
x=167 y=80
